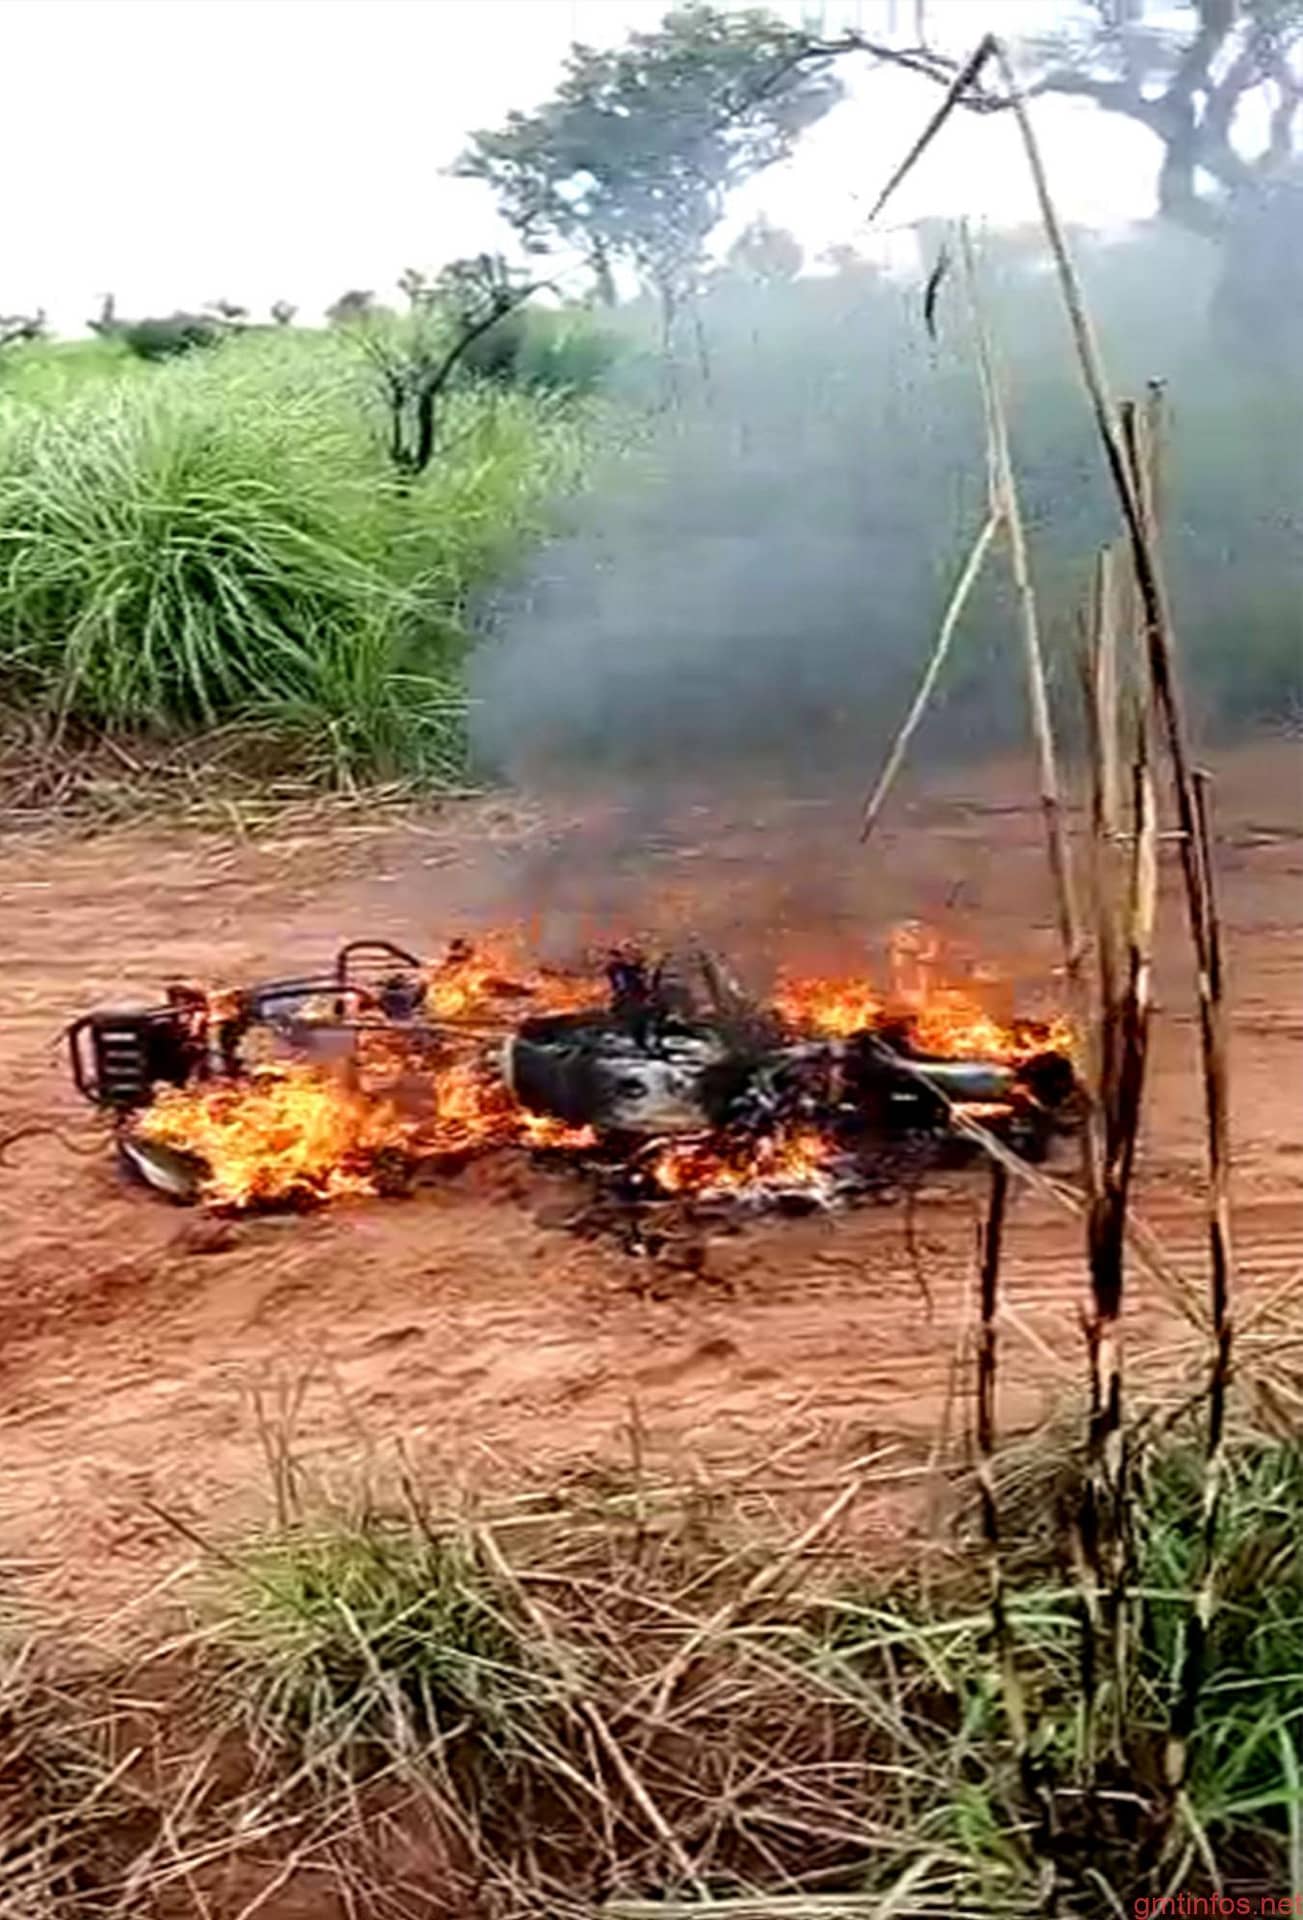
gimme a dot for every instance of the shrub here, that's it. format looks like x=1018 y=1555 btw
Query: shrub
x=165 y=338
x=566 y=352
x=538 y=347
x=345 y=1629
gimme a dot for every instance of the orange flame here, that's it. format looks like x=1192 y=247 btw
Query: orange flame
x=836 y=1008
x=787 y=1161
x=483 y=981
x=292 y=1132
x=945 y=1020
x=282 y=1134
x=475 y=1111
x=953 y=1024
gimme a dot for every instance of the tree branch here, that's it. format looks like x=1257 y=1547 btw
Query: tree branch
x=1192 y=140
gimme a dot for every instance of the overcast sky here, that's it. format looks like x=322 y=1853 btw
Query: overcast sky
x=180 y=150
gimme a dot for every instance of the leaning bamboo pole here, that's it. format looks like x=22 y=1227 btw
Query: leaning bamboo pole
x=1132 y=468
x=1007 y=502
x=1137 y=504
x=1101 y=706
x=1161 y=652
x=959 y=598
x=991 y=1249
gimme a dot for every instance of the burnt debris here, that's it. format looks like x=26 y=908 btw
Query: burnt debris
x=670 y=1086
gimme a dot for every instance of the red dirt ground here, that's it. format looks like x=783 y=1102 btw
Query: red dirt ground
x=499 y=1349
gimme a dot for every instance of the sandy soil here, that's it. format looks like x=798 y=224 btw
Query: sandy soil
x=500 y=1350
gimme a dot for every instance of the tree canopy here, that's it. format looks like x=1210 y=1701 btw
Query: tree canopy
x=634 y=156
x=1189 y=76
x=765 y=252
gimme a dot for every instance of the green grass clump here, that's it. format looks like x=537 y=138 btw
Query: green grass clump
x=1248 y=1744
x=219 y=544
x=365 y=1634
x=924 y=1672
x=852 y=1742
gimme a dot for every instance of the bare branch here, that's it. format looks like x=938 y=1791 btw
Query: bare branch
x=960 y=87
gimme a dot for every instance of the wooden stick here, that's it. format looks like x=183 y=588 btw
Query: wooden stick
x=1005 y=499
x=1123 y=1022
x=1216 y=1079
x=1155 y=606
x=965 y=77
x=1136 y=497
x=1007 y=502
x=1091 y=1520
x=992 y=1241
x=1133 y=1012
x=992 y=1247
x=1105 y=814
x=950 y=620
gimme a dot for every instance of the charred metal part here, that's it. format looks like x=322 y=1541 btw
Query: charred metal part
x=727 y=1079
x=177 y=1176
x=600 y=1071
x=399 y=991
x=384 y=951
x=118 y=1058
x=121 y=1056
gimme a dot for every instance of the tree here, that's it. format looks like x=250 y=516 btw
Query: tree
x=356 y=304
x=1188 y=72
x=106 y=322
x=19 y=328
x=1191 y=84
x=633 y=157
x=165 y=336
x=418 y=288
x=636 y=153
x=417 y=357
x=766 y=253
x=1188 y=80
x=283 y=312
x=228 y=314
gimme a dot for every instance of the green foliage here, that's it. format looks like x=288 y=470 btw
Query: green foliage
x=633 y=157
x=538 y=347
x=1249 y=1731
x=217 y=543
x=355 y=303
x=470 y=321
x=368 y=1633
x=856 y=1740
x=21 y=329
x=923 y=1672
x=55 y=371
x=165 y=338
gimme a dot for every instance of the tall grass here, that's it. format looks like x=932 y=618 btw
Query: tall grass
x=218 y=543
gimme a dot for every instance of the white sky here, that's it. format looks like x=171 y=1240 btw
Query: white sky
x=180 y=150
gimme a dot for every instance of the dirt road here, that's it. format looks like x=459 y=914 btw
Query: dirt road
x=498 y=1348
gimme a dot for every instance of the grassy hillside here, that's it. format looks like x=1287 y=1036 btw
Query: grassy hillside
x=219 y=542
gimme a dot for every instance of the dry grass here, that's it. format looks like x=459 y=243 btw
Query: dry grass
x=631 y=1699
x=227 y=782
